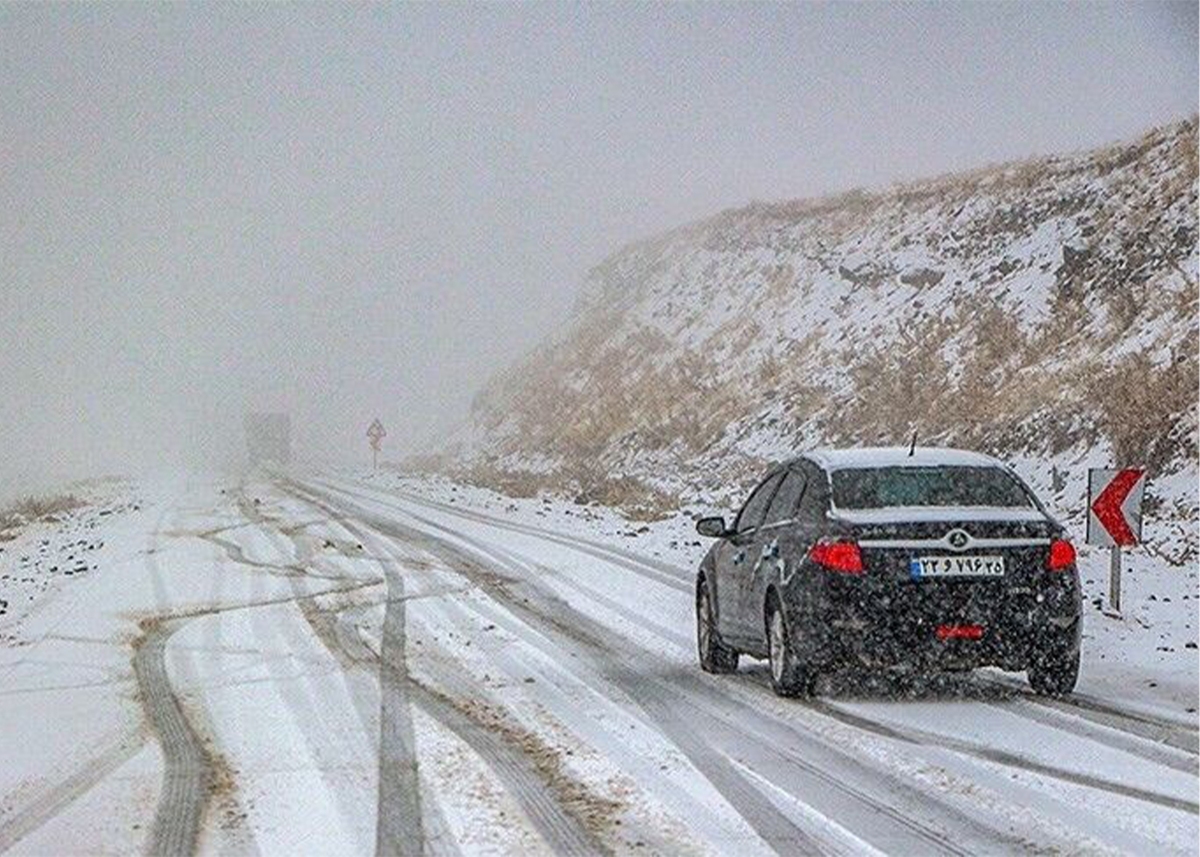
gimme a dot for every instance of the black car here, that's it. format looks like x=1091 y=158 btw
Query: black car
x=932 y=559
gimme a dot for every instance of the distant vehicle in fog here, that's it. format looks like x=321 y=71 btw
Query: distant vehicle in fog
x=268 y=438
x=924 y=558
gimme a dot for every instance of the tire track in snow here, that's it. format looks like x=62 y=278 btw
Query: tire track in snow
x=517 y=772
x=1067 y=719
x=401 y=828
x=592 y=714
x=1157 y=731
x=188 y=769
x=769 y=743
x=1023 y=704
x=48 y=803
x=62 y=795
x=407 y=822
x=597 y=549
x=660 y=572
x=663 y=702
x=323 y=743
x=1001 y=757
x=400 y=814
x=770 y=824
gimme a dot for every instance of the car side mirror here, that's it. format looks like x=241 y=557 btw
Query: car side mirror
x=713 y=527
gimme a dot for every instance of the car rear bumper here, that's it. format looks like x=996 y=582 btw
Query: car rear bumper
x=905 y=632
x=1011 y=647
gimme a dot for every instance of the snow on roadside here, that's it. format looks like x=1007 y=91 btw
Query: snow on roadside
x=72 y=737
x=41 y=556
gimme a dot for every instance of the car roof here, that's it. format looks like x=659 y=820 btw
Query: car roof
x=899 y=456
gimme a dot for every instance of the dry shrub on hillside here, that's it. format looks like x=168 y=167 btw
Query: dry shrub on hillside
x=1148 y=412
x=1068 y=315
x=992 y=395
x=639 y=501
x=1187 y=151
x=586 y=483
x=508 y=482
x=895 y=390
x=631 y=393
x=30 y=509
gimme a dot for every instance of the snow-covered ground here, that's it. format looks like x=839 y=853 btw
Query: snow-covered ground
x=340 y=663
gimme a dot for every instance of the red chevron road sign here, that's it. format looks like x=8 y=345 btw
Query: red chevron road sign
x=1115 y=507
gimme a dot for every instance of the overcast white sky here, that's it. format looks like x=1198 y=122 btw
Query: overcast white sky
x=351 y=211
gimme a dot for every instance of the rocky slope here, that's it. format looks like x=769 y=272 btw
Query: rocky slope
x=1043 y=310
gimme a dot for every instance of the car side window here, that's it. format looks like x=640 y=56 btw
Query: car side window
x=783 y=507
x=752 y=513
x=815 y=500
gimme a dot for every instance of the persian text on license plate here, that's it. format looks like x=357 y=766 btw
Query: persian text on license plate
x=957 y=566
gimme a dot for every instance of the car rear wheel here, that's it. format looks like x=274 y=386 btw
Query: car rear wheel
x=715 y=656
x=1055 y=671
x=789 y=675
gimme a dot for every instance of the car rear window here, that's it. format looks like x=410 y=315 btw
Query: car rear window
x=881 y=487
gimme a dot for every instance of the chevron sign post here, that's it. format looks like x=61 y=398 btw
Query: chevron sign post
x=1115 y=517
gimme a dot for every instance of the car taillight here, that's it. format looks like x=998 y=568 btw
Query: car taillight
x=1062 y=555
x=959 y=632
x=837 y=556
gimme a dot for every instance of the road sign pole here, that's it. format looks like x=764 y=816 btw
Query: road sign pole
x=1114 y=580
x=375 y=434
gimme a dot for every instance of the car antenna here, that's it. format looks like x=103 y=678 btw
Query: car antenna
x=912 y=446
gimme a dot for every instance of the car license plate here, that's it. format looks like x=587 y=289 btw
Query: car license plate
x=956 y=566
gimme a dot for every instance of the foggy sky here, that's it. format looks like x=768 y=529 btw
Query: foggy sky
x=349 y=212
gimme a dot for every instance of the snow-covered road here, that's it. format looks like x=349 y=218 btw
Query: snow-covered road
x=324 y=665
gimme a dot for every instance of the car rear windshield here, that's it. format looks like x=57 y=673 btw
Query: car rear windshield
x=881 y=487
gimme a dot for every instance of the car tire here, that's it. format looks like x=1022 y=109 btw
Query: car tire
x=790 y=676
x=1055 y=671
x=715 y=656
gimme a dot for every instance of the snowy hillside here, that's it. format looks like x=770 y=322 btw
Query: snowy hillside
x=1044 y=311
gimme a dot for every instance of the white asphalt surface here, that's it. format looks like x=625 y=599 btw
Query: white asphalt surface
x=315 y=665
